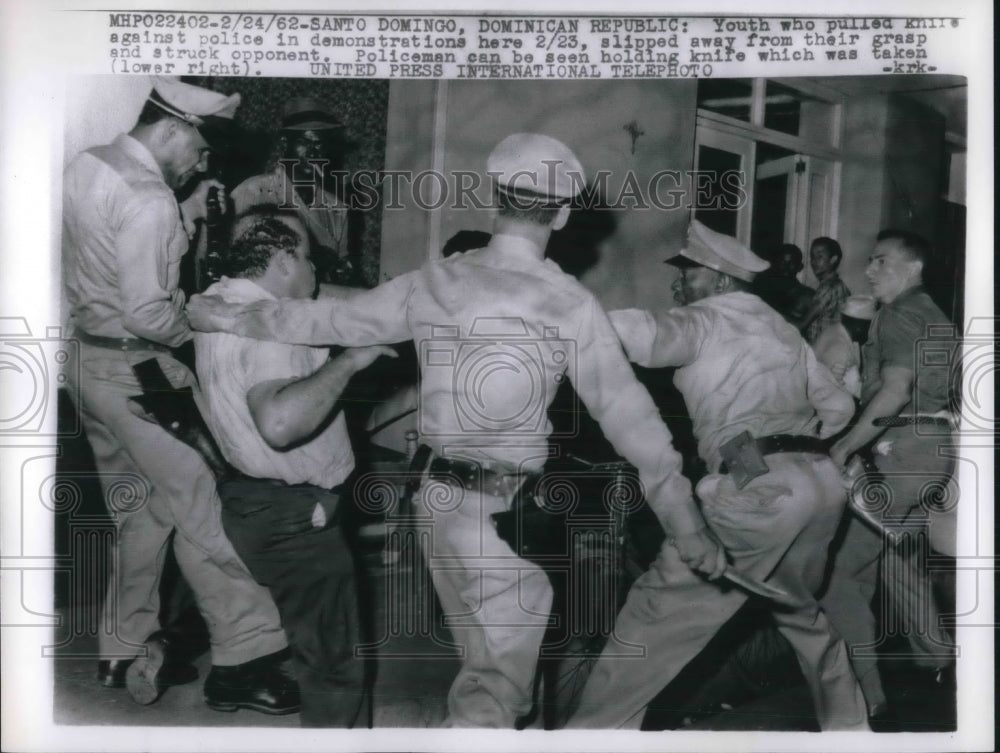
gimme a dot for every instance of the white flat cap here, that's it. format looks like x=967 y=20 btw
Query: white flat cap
x=723 y=253
x=859 y=307
x=533 y=166
x=191 y=103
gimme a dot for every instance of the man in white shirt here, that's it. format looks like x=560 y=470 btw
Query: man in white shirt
x=273 y=411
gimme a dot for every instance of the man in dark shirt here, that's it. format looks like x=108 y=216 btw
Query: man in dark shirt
x=780 y=289
x=906 y=369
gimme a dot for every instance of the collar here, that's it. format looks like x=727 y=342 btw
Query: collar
x=833 y=278
x=907 y=294
x=239 y=290
x=137 y=151
x=515 y=245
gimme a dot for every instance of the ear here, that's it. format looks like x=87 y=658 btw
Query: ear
x=168 y=129
x=562 y=217
x=722 y=282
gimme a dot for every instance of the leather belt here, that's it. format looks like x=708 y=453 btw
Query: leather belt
x=125 y=344
x=471 y=476
x=777 y=443
x=895 y=421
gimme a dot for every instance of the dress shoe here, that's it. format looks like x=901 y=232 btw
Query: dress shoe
x=111 y=672
x=149 y=675
x=882 y=718
x=260 y=685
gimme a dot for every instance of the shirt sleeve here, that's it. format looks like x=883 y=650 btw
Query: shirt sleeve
x=834 y=405
x=899 y=331
x=377 y=316
x=630 y=421
x=663 y=338
x=149 y=225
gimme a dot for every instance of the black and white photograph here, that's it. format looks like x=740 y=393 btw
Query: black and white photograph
x=436 y=378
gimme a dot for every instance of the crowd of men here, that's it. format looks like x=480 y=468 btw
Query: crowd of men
x=785 y=387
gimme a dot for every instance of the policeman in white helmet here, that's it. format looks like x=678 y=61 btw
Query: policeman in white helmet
x=497 y=329
x=760 y=405
x=123 y=238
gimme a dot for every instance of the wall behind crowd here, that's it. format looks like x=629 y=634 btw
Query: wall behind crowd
x=452 y=126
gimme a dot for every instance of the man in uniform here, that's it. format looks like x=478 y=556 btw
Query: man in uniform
x=123 y=237
x=273 y=409
x=760 y=404
x=901 y=390
x=497 y=329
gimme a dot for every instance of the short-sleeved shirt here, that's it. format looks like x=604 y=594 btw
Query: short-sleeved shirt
x=496 y=331
x=914 y=333
x=740 y=367
x=123 y=240
x=229 y=365
x=829 y=297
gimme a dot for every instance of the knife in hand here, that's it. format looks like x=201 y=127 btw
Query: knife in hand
x=760 y=588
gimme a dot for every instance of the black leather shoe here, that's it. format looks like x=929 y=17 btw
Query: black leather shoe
x=111 y=672
x=149 y=675
x=882 y=718
x=260 y=685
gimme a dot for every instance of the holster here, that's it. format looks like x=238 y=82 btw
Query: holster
x=743 y=459
x=534 y=533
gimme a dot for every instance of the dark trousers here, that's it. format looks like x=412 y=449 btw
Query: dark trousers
x=311 y=575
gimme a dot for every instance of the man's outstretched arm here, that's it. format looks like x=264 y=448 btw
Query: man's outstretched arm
x=375 y=317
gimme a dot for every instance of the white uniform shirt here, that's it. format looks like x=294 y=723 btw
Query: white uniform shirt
x=741 y=366
x=123 y=240
x=229 y=365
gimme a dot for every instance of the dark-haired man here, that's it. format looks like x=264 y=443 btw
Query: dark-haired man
x=309 y=147
x=779 y=286
x=123 y=237
x=273 y=411
x=902 y=390
x=497 y=329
